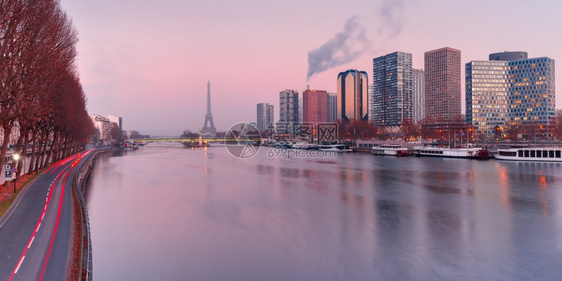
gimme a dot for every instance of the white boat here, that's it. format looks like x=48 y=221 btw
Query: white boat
x=390 y=149
x=471 y=152
x=535 y=154
x=301 y=145
x=336 y=148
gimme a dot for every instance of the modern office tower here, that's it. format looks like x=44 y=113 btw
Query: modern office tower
x=508 y=56
x=352 y=95
x=392 y=99
x=265 y=115
x=332 y=107
x=516 y=91
x=418 y=93
x=487 y=89
x=289 y=106
x=532 y=90
x=443 y=83
x=315 y=106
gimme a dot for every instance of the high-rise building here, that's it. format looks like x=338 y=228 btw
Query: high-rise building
x=265 y=115
x=332 y=107
x=392 y=100
x=443 y=83
x=289 y=106
x=513 y=91
x=418 y=93
x=315 y=106
x=352 y=95
x=532 y=90
x=487 y=89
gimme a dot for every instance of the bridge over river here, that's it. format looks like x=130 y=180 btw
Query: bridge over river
x=196 y=140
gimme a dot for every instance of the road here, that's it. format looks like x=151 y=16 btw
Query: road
x=36 y=238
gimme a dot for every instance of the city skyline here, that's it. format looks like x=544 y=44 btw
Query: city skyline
x=149 y=62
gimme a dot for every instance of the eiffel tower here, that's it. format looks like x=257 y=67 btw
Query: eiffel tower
x=209 y=130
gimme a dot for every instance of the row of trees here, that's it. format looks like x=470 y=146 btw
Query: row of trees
x=40 y=90
x=455 y=130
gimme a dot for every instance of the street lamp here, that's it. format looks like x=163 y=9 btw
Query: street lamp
x=16 y=157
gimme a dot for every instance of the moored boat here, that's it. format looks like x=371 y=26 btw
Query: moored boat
x=390 y=149
x=535 y=154
x=130 y=146
x=336 y=148
x=470 y=153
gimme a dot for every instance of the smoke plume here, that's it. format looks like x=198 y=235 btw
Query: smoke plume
x=344 y=47
x=352 y=42
x=391 y=14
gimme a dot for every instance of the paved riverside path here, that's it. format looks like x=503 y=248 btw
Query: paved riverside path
x=36 y=237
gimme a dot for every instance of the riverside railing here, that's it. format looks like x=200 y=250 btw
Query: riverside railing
x=85 y=264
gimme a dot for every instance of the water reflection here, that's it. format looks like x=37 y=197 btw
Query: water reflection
x=176 y=214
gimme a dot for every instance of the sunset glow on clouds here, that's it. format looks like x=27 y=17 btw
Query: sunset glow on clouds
x=149 y=61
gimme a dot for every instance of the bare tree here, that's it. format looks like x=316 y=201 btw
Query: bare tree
x=39 y=87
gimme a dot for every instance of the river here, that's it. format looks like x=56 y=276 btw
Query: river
x=166 y=212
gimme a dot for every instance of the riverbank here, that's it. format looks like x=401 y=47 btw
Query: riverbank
x=81 y=265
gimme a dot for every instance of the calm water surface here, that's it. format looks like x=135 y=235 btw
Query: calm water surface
x=171 y=213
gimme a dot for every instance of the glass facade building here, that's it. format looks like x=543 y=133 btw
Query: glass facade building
x=532 y=90
x=487 y=88
x=352 y=95
x=502 y=92
x=392 y=100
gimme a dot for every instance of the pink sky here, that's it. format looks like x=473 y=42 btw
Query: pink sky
x=149 y=61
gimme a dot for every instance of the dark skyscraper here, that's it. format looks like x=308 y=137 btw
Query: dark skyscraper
x=392 y=89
